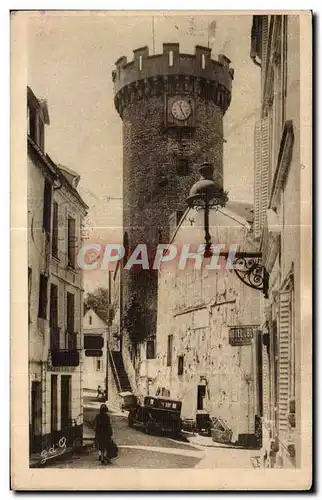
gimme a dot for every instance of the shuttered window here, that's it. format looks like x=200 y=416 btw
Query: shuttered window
x=266 y=384
x=284 y=354
x=277 y=90
x=264 y=46
x=261 y=181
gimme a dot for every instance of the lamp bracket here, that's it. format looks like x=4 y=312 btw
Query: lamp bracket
x=252 y=272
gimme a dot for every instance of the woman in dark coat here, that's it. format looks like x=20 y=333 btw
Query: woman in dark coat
x=103 y=435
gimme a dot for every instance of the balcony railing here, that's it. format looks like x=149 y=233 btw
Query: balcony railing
x=68 y=356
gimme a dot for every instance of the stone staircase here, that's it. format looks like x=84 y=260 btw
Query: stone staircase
x=119 y=372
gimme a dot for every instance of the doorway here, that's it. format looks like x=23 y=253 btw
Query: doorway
x=201 y=397
x=53 y=405
x=36 y=414
x=65 y=401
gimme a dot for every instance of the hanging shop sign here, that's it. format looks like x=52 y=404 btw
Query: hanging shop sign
x=241 y=335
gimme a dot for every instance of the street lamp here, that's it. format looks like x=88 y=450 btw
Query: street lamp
x=205 y=195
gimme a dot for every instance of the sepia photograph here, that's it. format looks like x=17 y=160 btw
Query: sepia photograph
x=161 y=296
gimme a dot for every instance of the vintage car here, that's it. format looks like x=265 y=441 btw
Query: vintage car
x=157 y=415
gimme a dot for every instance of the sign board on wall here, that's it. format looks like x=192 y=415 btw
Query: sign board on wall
x=241 y=335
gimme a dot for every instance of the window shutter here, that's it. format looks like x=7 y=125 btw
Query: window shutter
x=265 y=168
x=284 y=355
x=264 y=47
x=266 y=385
x=257 y=180
x=261 y=174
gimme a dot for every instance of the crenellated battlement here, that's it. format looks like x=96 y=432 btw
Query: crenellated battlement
x=185 y=72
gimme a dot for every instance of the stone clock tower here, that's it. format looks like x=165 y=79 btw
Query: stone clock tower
x=172 y=106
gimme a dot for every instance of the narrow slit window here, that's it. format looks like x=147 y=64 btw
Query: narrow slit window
x=203 y=61
x=140 y=63
x=171 y=58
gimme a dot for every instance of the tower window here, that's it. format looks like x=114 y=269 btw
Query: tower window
x=171 y=58
x=140 y=63
x=203 y=61
x=183 y=166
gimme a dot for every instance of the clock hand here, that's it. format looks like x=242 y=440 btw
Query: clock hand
x=182 y=111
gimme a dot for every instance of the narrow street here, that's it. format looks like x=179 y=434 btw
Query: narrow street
x=137 y=449
x=140 y=450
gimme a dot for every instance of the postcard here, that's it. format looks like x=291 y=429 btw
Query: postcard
x=161 y=250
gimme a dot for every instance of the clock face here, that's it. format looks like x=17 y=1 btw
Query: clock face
x=181 y=109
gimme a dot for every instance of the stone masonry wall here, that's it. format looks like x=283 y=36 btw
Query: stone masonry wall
x=197 y=307
x=152 y=188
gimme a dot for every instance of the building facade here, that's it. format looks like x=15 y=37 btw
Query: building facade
x=95 y=334
x=275 y=48
x=208 y=348
x=172 y=107
x=55 y=213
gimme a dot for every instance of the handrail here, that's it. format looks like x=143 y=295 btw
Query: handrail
x=129 y=368
x=114 y=369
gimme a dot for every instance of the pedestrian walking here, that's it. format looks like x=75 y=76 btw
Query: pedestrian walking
x=103 y=436
x=99 y=392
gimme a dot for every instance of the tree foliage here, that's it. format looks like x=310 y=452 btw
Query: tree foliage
x=99 y=302
x=133 y=319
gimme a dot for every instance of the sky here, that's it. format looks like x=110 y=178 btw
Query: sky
x=70 y=62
